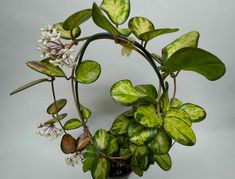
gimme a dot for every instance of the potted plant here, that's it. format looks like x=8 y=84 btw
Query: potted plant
x=154 y=119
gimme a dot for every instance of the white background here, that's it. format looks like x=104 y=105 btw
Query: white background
x=23 y=154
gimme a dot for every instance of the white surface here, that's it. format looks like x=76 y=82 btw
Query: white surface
x=26 y=155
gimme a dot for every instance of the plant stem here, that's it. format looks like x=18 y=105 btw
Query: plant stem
x=158 y=99
x=174 y=90
x=54 y=98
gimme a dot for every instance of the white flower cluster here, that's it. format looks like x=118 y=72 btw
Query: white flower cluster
x=51 y=46
x=73 y=160
x=49 y=130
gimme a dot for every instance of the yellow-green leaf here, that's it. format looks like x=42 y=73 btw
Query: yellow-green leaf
x=160 y=144
x=87 y=163
x=195 y=112
x=101 y=139
x=148 y=90
x=88 y=71
x=101 y=21
x=119 y=125
x=179 y=131
x=134 y=127
x=65 y=34
x=189 y=39
x=143 y=136
x=180 y=114
x=140 y=25
x=100 y=168
x=155 y=33
x=72 y=124
x=163 y=161
x=55 y=107
x=117 y=10
x=113 y=145
x=86 y=113
x=147 y=116
x=56 y=119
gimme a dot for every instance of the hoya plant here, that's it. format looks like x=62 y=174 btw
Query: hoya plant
x=154 y=120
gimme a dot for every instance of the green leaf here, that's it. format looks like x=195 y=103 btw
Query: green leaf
x=129 y=113
x=160 y=144
x=113 y=145
x=179 y=131
x=119 y=125
x=72 y=124
x=140 y=25
x=91 y=151
x=164 y=161
x=87 y=163
x=55 y=107
x=147 y=116
x=195 y=112
x=125 y=32
x=100 y=168
x=137 y=171
x=46 y=68
x=28 y=85
x=86 y=113
x=154 y=33
x=68 y=144
x=88 y=71
x=164 y=100
x=73 y=21
x=102 y=22
x=180 y=114
x=197 y=60
x=189 y=39
x=65 y=34
x=117 y=10
x=134 y=127
x=56 y=119
x=142 y=162
x=101 y=139
x=143 y=136
x=147 y=90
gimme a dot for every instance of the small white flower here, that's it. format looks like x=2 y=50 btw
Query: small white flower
x=73 y=160
x=50 y=46
x=49 y=130
x=127 y=48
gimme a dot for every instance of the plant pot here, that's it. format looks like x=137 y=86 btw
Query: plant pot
x=120 y=170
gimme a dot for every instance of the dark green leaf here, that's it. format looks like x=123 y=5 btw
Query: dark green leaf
x=88 y=71
x=46 y=68
x=180 y=114
x=148 y=90
x=139 y=150
x=72 y=124
x=56 y=119
x=119 y=125
x=154 y=33
x=160 y=144
x=197 y=60
x=65 y=34
x=76 y=19
x=143 y=136
x=140 y=25
x=179 y=131
x=28 y=85
x=164 y=161
x=117 y=10
x=189 y=39
x=100 y=168
x=101 y=21
x=195 y=112
x=55 y=107
x=101 y=139
x=68 y=144
x=147 y=116
x=137 y=171
x=129 y=113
